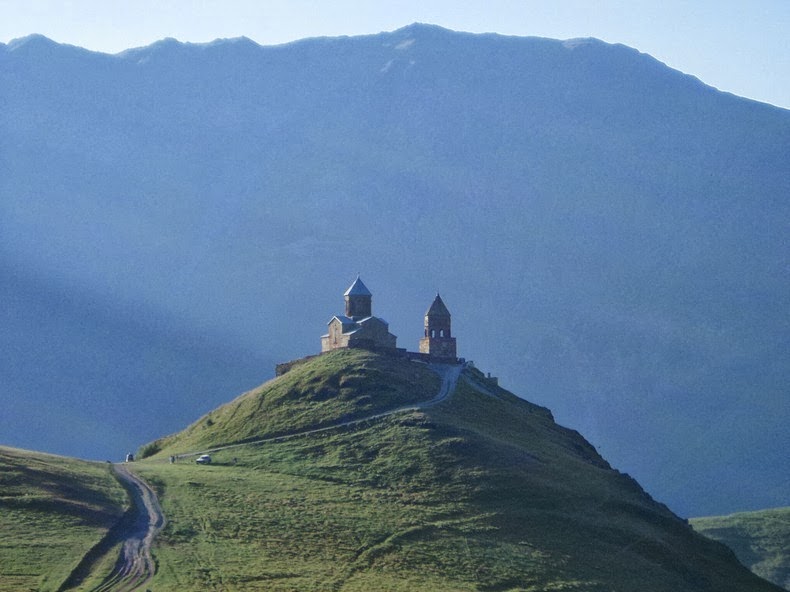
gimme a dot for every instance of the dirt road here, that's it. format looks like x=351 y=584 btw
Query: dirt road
x=136 y=566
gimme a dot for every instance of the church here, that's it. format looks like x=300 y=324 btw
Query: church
x=358 y=328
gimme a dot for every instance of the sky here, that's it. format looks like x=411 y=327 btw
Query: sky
x=738 y=46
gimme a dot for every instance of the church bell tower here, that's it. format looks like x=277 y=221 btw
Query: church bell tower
x=438 y=341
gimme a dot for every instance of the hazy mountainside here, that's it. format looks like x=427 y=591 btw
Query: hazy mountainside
x=760 y=540
x=92 y=378
x=53 y=510
x=480 y=492
x=609 y=234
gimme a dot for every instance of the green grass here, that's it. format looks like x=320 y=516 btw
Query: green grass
x=337 y=386
x=377 y=508
x=761 y=540
x=52 y=511
x=482 y=492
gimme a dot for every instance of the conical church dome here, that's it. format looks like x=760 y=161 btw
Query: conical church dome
x=438 y=309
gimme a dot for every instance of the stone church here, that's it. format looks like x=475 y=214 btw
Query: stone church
x=358 y=328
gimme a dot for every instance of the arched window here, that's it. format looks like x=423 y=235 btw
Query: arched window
x=441 y=333
x=433 y=332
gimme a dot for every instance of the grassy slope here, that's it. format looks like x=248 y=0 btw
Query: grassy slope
x=52 y=511
x=761 y=540
x=482 y=492
x=325 y=390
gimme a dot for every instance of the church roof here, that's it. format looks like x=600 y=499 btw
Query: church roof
x=438 y=309
x=344 y=320
x=373 y=320
x=357 y=289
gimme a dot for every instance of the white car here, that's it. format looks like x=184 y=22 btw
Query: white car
x=203 y=459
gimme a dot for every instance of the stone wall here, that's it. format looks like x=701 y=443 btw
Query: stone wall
x=438 y=347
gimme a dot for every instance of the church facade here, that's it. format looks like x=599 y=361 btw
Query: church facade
x=358 y=328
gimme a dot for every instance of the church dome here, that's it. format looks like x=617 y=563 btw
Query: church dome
x=357 y=289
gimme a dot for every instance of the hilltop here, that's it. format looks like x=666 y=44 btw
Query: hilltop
x=343 y=386
x=610 y=232
x=481 y=491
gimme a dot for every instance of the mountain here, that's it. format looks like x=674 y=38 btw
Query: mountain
x=91 y=377
x=759 y=539
x=609 y=235
x=480 y=491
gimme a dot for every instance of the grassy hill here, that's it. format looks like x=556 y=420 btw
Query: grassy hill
x=483 y=491
x=326 y=390
x=53 y=510
x=761 y=540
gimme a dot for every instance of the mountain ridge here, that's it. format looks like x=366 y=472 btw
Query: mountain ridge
x=417 y=28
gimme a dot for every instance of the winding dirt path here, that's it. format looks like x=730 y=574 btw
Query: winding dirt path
x=449 y=373
x=135 y=567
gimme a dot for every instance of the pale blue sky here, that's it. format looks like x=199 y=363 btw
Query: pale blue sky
x=741 y=46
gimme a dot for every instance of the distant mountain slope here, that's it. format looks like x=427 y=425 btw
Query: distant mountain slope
x=53 y=510
x=481 y=492
x=93 y=377
x=761 y=540
x=609 y=234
